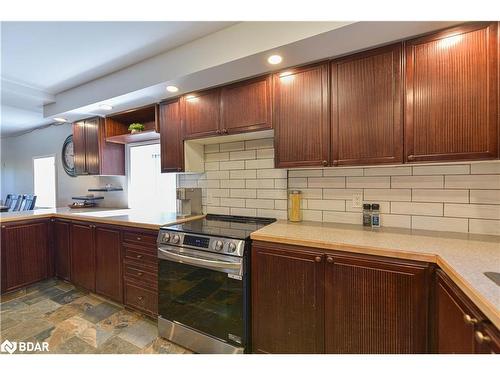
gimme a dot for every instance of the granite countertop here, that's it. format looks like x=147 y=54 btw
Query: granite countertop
x=464 y=257
x=126 y=217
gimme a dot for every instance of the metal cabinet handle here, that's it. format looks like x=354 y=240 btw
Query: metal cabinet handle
x=317 y=259
x=325 y=162
x=329 y=259
x=139 y=238
x=469 y=319
x=140 y=298
x=138 y=256
x=482 y=338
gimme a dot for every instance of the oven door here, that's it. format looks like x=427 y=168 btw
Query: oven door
x=203 y=291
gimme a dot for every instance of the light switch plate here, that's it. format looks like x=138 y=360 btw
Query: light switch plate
x=357 y=200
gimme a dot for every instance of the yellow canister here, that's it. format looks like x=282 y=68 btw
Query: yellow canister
x=294 y=205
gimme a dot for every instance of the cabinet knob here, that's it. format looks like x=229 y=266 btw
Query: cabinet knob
x=217 y=131
x=138 y=256
x=317 y=259
x=224 y=131
x=140 y=298
x=3 y=226
x=139 y=273
x=179 y=169
x=482 y=338
x=138 y=238
x=469 y=319
x=325 y=162
x=329 y=259
x=335 y=163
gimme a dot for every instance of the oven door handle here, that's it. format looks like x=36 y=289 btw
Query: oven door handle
x=234 y=268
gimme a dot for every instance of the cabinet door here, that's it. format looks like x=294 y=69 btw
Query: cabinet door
x=108 y=265
x=62 y=249
x=451 y=94
x=171 y=142
x=246 y=106
x=79 y=147
x=287 y=301
x=201 y=113
x=25 y=254
x=83 y=256
x=301 y=117
x=455 y=318
x=367 y=107
x=375 y=306
x=92 y=145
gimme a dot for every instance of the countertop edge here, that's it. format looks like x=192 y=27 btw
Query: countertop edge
x=491 y=312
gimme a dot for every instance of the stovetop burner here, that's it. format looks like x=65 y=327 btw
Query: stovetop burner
x=237 y=227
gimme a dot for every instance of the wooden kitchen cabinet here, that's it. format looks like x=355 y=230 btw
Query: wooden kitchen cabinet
x=376 y=305
x=83 y=255
x=201 y=113
x=25 y=253
x=315 y=301
x=301 y=117
x=246 y=106
x=287 y=300
x=92 y=154
x=62 y=246
x=171 y=141
x=452 y=94
x=367 y=107
x=108 y=270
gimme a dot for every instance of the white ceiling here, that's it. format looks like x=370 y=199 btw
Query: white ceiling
x=41 y=59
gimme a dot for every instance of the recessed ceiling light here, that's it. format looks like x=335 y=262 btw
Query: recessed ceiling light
x=274 y=59
x=106 y=107
x=60 y=119
x=172 y=88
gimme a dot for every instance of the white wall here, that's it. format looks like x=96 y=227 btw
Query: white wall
x=17 y=168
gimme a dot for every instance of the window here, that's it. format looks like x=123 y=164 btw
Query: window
x=148 y=187
x=44 y=181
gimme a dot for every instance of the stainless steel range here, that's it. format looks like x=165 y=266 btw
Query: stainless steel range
x=203 y=285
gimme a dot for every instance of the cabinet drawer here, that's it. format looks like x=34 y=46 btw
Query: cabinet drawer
x=148 y=240
x=145 y=256
x=147 y=276
x=141 y=299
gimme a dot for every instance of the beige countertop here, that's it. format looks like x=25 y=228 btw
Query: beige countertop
x=464 y=257
x=126 y=217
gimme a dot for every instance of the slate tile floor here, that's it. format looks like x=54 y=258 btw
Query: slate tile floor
x=74 y=321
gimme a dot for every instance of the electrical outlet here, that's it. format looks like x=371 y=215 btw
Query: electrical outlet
x=357 y=200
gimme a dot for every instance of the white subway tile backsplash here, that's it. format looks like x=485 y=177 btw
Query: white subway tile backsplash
x=485 y=196
x=427 y=170
x=431 y=182
x=477 y=211
x=440 y=195
x=368 y=182
x=447 y=224
x=240 y=179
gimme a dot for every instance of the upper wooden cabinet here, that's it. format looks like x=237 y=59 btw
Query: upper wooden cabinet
x=451 y=94
x=201 y=113
x=93 y=155
x=301 y=117
x=366 y=107
x=171 y=143
x=246 y=106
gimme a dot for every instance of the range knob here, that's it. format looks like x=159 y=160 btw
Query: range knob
x=218 y=245
x=166 y=237
x=175 y=238
x=231 y=247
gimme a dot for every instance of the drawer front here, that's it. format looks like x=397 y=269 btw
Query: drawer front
x=141 y=299
x=144 y=275
x=148 y=240
x=141 y=255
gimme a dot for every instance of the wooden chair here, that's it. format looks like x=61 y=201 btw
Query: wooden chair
x=15 y=203
x=28 y=202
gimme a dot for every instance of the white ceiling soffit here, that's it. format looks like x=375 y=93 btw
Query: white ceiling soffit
x=233 y=53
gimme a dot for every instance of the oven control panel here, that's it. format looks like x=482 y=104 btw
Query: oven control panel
x=214 y=244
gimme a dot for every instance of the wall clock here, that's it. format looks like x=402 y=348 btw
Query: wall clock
x=67 y=156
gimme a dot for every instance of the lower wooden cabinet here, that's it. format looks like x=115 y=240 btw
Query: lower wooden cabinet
x=25 y=253
x=108 y=270
x=83 y=255
x=312 y=301
x=62 y=245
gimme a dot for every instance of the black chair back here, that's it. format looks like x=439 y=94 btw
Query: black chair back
x=8 y=200
x=15 y=203
x=28 y=202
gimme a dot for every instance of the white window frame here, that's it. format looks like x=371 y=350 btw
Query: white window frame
x=55 y=173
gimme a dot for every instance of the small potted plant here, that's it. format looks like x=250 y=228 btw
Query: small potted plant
x=135 y=128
